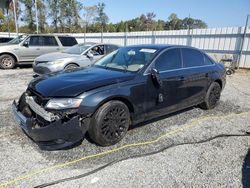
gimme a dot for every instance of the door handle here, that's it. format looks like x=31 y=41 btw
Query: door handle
x=37 y=48
x=58 y=49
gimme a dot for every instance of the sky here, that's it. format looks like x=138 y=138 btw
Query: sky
x=216 y=13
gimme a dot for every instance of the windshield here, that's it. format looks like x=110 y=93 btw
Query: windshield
x=129 y=58
x=17 y=40
x=77 y=49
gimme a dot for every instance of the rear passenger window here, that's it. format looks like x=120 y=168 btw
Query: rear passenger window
x=169 y=60
x=110 y=48
x=68 y=41
x=49 y=41
x=192 y=58
x=42 y=41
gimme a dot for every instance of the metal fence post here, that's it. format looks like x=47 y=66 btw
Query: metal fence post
x=189 y=37
x=125 y=38
x=242 y=42
x=102 y=37
x=153 y=37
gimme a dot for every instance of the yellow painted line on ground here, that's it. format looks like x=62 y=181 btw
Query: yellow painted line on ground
x=167 y=134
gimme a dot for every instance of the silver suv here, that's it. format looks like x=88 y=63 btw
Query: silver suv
x=32 y=46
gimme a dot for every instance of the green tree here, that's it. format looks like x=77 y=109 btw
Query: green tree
x=42 y=13
x=53 y=8
x=174 y=23
x=89 y=16
x=29 y=14
x=192 y=23
x=102 y=17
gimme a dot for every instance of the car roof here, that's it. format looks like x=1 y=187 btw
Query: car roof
x=96 y=43
x=60 y=35
x=160 y=46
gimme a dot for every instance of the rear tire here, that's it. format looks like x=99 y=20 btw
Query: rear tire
x=110 y=123
x=212 y=96
x=7 y=62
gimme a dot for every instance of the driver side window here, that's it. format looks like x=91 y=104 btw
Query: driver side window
x=97 y=50
x=169 y=60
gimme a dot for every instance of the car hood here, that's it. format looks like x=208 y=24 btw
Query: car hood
x=5 y=46
x=55 y=56
x=72 y=83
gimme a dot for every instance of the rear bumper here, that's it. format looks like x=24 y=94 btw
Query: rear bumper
x=56 y=135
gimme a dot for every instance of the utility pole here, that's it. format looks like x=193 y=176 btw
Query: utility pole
x=14 y=6
x=37 y=24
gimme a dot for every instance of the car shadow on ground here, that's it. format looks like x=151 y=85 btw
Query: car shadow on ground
x=246 y=171
x=24 y=66
x=138 y=125
x=162 y=117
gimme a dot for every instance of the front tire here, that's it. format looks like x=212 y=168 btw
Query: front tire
x=110 y=123
x=71 y=66
x=212 y=96
x=7 y=62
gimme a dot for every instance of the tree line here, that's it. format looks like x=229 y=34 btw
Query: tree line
x=71 y=16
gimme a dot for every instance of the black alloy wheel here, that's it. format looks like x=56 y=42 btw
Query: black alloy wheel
x=212 y=96
x=110 y=123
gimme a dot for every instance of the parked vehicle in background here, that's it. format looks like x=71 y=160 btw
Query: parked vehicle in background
x=4 y=40
x=19 y=50
x=80 y=55
x=128 y=86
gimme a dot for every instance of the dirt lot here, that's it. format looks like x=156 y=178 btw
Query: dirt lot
x=220 y=162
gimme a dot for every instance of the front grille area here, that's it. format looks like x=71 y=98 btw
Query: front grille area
x=41 y=70
x=38 y=62
x=24 y=108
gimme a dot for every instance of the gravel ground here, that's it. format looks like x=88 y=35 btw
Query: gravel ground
x=221 y=162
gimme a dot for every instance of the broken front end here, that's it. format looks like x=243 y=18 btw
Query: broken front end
x=48 y=122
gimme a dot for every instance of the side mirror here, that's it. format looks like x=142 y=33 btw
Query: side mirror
x=90 y=55
x=26 y=44
x=156 y=77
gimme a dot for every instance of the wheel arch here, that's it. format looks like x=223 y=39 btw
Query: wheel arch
x=71 y=63
x=11 y=54
x=122 y=99
x=219 y=81
x=92 y=104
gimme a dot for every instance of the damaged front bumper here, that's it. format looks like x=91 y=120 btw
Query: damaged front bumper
x=57 y=134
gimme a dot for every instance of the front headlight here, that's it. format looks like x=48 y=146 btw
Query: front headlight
x=64 y=103
x=56 y=62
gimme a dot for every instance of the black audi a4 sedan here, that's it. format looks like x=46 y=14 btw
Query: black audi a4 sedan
x=128 y=86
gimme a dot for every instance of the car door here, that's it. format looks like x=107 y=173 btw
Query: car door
x=36 y=46
x=171 y=94
x=196 y=74
x=27 y=51
x=48 y=44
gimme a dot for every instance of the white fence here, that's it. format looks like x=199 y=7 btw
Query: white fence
x=220 y=43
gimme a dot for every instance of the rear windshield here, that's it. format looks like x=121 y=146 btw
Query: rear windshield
x=68 y=41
